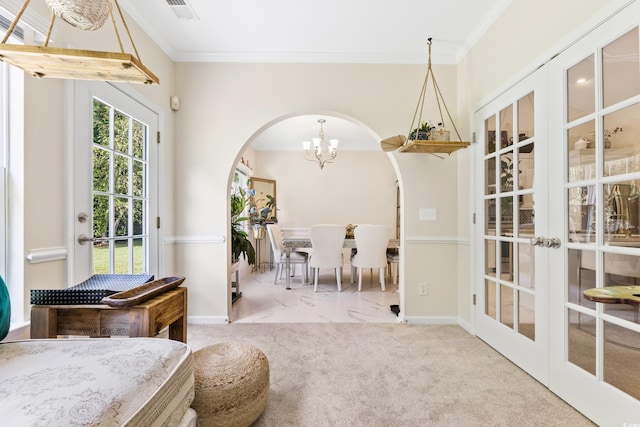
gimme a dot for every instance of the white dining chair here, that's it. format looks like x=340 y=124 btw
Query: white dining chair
x=393 y=263
x=280 y=257
x=371 y=245
x=327 y=241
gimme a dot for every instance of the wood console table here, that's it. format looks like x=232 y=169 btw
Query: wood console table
x=146 y=319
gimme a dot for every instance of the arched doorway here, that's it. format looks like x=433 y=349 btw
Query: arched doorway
x=361 y=186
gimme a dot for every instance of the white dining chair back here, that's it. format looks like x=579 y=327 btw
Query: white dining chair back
x=280 y=257
x=371 y=245
x=327 y=241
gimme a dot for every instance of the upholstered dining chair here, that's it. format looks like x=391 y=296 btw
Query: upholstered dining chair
x=280 y=257
x=371 y=244
x=327 y=241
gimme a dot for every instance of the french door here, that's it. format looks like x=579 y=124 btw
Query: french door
x=594 y=165
x=583 y=233
x=511 y=309
x=115 y=183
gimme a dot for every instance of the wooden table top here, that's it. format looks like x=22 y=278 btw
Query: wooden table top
x=614 y=294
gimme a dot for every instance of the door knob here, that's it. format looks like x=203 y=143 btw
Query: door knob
x=537 y=241
x=83 y=239
x=553 y=242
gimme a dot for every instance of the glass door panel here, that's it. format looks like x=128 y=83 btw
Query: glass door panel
x=597 y=209
x=509 y=307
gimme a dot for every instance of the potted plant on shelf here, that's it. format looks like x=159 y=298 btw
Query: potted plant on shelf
x=240 y=243
x=427 y=131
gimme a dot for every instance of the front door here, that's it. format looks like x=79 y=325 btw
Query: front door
x=511 y=298
x=115 y=183
x=594 y=166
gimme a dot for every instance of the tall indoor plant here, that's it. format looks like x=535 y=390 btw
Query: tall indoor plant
x=240 y=243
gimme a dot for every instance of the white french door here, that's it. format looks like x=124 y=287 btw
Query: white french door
x=115 y=183
x=584 y=233
x=511 y=309
x=594 y=166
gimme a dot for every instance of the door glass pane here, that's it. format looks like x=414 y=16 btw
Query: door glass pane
x=490 y=298
x=581 y=276
x=526 y=264
x=621 y=207
x=506 y=261
x=490 y=175
x=100 y=169
x=506 y=216
x=490 y=257
x=526 y=315
x=121 y=216
x=581 y=94
x=622 y=154
x=121 y=132
x=582 y=341
x=121 y=257
x=121 y=174
x=621 y=357
x=622 y=270
x=581 y=154
x=582 y=214
x=525 y=117
x=138 y=256
x=506 y=305
x=490 y=215
x=101 y=120
x=620 y=58
x=138 y=139
x=506 y=126
x=490 y=137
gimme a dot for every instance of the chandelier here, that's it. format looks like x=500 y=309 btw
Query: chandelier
x=322 y=153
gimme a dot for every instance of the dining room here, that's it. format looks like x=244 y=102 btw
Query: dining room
x=357 y=186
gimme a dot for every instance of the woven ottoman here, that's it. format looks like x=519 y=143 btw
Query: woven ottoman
x=231 y=384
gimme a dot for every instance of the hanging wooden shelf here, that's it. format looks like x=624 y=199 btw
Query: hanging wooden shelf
x=54 y=62
x=432 y=147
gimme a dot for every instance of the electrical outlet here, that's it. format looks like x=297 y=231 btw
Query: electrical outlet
x=422 y=288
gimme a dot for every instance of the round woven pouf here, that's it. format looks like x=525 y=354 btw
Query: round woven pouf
x=231 y=384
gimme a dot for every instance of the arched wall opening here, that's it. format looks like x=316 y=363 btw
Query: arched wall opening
x=361 y=186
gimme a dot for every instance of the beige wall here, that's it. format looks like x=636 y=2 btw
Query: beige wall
x=359 y=188
x=225 y=104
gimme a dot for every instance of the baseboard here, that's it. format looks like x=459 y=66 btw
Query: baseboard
x=466 y=326
x=207 y=320
x=431 y=320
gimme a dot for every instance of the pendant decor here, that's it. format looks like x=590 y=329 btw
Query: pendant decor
x=52 y=62
x=425 y=136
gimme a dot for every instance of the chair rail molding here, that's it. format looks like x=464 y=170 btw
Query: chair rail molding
x=195 y=239
x=46 y=254
x=437 y=241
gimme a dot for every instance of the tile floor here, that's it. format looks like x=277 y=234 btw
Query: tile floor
x=264 y=302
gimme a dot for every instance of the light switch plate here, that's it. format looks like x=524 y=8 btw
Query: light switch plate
x=428 y=214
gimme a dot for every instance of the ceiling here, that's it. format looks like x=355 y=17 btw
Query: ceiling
x=301 y=31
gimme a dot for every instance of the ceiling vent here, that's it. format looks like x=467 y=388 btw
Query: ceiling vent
x=182 y=9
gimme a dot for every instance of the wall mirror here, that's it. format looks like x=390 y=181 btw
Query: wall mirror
x=263 y=188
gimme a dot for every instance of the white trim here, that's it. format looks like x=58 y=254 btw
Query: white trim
x=436 y=241
x=45 y=255
x=431 y=320
x=171 y=240
x=466 y=326
x=207 y=320
x=490 y=18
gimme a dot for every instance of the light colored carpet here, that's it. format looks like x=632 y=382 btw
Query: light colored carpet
x=349 y=374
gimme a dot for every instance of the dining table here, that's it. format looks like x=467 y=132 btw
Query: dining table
x=301 y=242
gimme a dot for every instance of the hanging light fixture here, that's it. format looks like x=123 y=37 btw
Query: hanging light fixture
x=322 y=153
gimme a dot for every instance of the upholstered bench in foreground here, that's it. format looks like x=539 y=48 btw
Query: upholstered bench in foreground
x=231 y=384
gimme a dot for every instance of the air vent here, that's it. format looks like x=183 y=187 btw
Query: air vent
x=5 y=24
x=182 y=9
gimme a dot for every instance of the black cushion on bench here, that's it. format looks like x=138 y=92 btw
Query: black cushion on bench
x=91 y=291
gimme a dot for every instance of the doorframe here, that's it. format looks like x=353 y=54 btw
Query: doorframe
x=69 y=92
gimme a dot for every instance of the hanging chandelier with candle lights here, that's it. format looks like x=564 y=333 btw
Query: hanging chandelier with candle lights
x=322 y=152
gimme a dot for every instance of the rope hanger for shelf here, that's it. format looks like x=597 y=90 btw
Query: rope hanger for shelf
x=415 y=141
